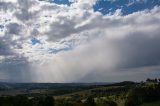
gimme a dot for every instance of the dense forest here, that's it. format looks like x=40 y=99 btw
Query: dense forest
x=116 y=94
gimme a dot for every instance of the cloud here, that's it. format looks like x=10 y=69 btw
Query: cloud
x=76 y=43
x=13 y=28
x=4 y=49
x=15 y=69
x=6 y=6
x=124 y=43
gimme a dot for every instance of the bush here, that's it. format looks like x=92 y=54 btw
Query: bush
x=140 y=95
x=90 y=101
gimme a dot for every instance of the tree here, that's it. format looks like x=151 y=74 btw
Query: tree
x=90 y=101
x=49 y=101
x=148 y=80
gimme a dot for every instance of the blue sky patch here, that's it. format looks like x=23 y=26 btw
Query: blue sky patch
x=127 y=6
x=35 y=41
x=65 y=2
x=110 y=6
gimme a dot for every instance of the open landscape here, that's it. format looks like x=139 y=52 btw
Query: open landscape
x=125 y=93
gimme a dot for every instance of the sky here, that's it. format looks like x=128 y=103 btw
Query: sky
x=63 y=41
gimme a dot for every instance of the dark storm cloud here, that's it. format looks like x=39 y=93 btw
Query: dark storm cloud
x=16 y=69
x=4 y=48
x=138 y=58
x=6 y=6
x=23 y=14
x=14 y=28
x=138 y=51
x=59 y=31
x=14 y=66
